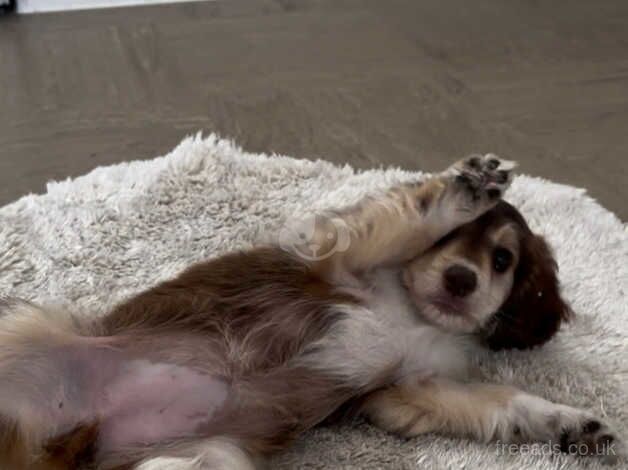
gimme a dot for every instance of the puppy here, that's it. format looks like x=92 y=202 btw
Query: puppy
x=231 y=360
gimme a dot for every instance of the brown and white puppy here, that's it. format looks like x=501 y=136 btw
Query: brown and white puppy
x=231 y=360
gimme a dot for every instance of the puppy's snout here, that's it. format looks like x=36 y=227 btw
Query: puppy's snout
x=459 y=281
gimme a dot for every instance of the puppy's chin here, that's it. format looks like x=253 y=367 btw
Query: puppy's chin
x=447 y=312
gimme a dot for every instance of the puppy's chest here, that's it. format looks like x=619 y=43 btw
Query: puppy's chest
x=390 y=300
x=394 y=329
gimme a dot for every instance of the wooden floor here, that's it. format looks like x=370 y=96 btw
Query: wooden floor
x=370 y=83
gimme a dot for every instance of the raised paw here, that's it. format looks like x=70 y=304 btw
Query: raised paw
x=484 y=178
x=460 y=194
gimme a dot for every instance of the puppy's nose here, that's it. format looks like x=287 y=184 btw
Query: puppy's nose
x=459 y=281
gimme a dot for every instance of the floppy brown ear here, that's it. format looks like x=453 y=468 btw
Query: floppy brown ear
x=534 y=311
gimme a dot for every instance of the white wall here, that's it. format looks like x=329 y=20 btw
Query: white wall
x=34 y=6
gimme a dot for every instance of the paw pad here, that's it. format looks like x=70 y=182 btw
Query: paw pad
x=591 y=426
x=483 y=176
x=590 y=438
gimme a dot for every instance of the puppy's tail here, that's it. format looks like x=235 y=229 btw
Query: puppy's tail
x=40 y=386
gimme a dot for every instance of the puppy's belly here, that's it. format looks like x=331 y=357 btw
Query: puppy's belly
x=153 y=402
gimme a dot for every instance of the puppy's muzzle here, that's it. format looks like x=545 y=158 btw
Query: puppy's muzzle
x=459 y=281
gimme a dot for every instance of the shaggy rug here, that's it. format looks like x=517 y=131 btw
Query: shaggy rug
x=94 y=240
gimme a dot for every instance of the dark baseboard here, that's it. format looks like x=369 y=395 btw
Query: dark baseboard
x=9 y=7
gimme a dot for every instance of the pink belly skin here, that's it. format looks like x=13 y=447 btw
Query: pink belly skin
x=149 y=402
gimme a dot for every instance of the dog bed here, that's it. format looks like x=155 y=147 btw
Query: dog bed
x=93 y=240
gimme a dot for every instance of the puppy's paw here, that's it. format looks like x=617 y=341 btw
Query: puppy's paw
x=483 y=179
x=570 y=430
x=587 y=435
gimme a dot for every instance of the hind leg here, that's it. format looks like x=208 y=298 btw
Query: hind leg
x=213 y=454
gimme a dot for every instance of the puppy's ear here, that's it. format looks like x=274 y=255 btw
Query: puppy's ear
x=534 y=311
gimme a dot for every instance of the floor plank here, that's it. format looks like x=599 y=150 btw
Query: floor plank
x=414 y=84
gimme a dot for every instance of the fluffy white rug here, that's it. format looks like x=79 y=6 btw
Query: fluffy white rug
x=92 y=241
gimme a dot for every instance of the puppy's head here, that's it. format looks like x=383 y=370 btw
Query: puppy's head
x=492 y=277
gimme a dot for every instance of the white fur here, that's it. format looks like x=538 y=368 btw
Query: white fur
x=386 y=334
x=168 y=463
x=215 y=454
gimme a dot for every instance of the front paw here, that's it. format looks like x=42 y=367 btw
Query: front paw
x=480 y=181
x=567 y=429
x=584 y=434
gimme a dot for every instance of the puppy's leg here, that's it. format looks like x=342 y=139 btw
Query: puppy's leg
x=214 y=454
x=488 y=412
x=409 y=218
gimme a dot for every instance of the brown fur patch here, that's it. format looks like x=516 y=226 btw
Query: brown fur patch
x=424 y=202
x=72 y=449
x=535 y=308
x=264 y=299
x=14 y=452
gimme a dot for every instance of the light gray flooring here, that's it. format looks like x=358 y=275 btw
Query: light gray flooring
x=370 y=83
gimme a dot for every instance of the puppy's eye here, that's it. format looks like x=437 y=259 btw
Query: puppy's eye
x=502 y=259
